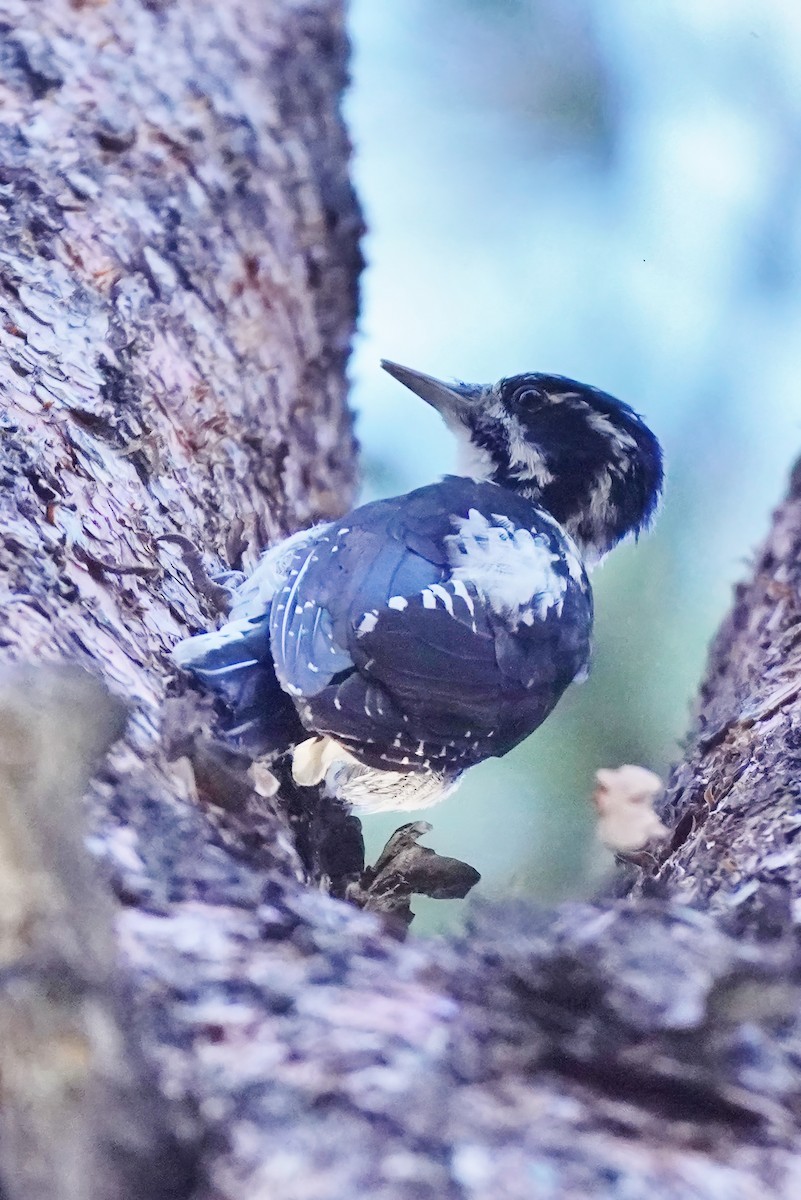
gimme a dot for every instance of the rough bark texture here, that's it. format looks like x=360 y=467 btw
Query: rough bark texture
x=735 y=803
x=80 y=1105
x=177 y=270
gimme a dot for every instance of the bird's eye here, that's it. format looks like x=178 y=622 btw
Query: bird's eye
x=526 y=397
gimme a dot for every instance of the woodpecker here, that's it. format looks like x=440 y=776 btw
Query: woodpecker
x=396 y=647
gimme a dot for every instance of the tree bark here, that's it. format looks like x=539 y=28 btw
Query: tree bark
x=735 y=803
x=178 y=260
x=80 y=1105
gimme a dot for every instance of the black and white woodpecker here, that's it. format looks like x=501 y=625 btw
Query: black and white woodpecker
x=395 y=647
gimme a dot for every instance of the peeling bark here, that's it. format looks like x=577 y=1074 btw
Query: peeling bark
x=178 y=260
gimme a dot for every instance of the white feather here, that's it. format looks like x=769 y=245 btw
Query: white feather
x=366 y=789
x=512 y=570
x=472 y=461
x=252 y=597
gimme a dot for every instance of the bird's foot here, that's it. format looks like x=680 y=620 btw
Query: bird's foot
x=216 y=590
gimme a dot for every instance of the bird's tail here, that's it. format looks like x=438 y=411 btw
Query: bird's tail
x=237 y=663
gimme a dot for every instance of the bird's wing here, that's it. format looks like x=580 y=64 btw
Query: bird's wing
x=334 y=589
x=236 y=660
x=392 y=631
x=252 y=598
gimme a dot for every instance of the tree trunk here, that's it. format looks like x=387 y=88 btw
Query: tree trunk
x=178 y=250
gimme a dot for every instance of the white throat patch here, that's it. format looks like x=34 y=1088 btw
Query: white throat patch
x=526 y=461
x=472 y=461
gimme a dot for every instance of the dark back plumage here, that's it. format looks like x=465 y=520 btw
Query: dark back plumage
x=435 y=673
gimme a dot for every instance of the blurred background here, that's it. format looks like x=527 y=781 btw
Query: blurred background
x=608 y=190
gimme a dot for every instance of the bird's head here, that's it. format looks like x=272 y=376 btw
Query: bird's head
x=582 y=455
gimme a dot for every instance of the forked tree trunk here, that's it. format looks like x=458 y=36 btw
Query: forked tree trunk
x=178 y=262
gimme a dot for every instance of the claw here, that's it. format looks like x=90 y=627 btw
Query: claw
x=219 y=598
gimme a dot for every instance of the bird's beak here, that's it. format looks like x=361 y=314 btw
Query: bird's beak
x=449 y=399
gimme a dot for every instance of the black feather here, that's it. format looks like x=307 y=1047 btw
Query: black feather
x=460 y=683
